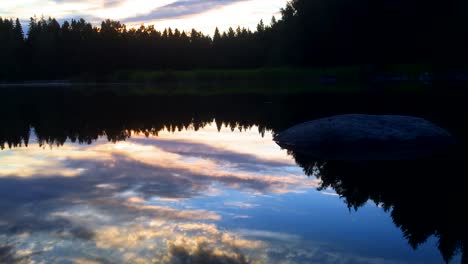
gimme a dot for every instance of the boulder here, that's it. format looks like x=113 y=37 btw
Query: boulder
x=366 y=137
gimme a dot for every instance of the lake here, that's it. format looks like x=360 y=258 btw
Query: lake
x=98 y=177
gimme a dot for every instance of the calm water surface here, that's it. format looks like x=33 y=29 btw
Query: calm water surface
x=199 y=187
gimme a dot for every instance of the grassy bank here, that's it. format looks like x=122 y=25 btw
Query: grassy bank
x=351 y=79
x=336 y=80
x=235 y=74
x=344 y=74
x=348 y=74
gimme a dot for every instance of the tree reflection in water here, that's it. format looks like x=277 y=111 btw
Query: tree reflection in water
x=424 y=197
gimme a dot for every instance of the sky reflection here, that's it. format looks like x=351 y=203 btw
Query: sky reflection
x=182 y=197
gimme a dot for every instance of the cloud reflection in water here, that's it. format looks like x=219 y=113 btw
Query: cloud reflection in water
x=132 y=202
x=181 y=197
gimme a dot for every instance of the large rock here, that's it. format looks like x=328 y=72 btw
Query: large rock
x=366 y=137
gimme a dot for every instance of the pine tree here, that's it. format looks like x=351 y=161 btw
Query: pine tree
x=273 y=21
x=231 y=33
x=19 y=34
x=216 y=36
x=261 y=26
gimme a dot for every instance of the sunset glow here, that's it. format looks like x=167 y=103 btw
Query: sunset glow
x=204 y=15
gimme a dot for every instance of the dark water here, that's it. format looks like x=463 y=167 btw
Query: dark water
x=106 y=178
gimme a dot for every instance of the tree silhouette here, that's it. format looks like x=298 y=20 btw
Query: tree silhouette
x=12 y=47
x=309 y=33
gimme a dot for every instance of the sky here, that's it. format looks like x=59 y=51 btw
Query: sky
x=204 y=15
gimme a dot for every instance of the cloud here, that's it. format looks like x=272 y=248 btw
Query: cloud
x=269 y=235
x=85 y=261
x=140 y=178
x=167 y=167
x=164 y=212
x=203 y=15
x=182 y=254
x=124 y=10
x=182 y=8
x=330 y=193
x=129 y=202
x=218 y=152
x=102 y=3
x=20 y=222
x=204 y=228
x=241 y=205
x=9 y=254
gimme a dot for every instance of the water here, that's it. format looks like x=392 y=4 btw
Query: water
x=99 y=178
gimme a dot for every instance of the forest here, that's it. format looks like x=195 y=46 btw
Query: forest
x=308 y=34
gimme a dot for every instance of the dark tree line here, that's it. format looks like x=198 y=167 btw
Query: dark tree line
x=365 y=31
x=12 y=46
x=52 y=50
x=310 y=33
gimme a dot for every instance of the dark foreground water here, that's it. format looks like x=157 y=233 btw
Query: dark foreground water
x=91 y=178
